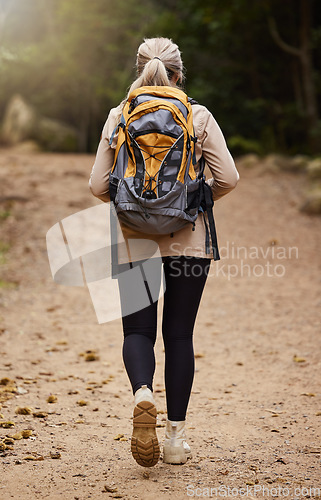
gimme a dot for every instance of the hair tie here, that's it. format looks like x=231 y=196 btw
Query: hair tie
x=157 y=58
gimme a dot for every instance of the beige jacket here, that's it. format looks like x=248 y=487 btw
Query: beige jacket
x=224 y=177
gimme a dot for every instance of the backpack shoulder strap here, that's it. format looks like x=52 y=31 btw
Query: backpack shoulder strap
x=194 y=139
x=121 y=124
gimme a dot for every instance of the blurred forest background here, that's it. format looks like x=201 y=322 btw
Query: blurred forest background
x=256 y=64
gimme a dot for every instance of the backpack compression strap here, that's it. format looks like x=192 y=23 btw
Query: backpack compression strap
x=194 y=139
x=121 y=124
x=206 y=204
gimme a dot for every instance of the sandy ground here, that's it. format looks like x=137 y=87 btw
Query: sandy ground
x=254 y=416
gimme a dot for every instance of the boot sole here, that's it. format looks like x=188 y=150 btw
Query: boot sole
x=144 y=443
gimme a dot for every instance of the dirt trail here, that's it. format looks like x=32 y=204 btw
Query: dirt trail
x=255 y=410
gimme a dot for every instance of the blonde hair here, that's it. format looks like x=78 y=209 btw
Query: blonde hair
x=158 y=62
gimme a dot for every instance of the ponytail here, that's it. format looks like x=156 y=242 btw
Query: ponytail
x=158 y=63
x=154 y=73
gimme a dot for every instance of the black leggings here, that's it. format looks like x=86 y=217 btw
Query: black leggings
x=185 y=278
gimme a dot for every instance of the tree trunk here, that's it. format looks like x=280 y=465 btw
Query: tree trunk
x=307 y=66
x=306 y=63
x=297 y=87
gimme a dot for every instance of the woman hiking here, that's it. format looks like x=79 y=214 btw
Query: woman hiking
x=186 y=261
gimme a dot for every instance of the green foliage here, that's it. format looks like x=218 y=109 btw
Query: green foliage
x=81 y=62
x=8 y=284
x=4 y=214
x=4 y=248
x=75 y=60
x=235 y=68
x=238 y=146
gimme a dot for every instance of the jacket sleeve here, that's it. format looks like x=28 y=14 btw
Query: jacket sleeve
x=99 y=177
x=212 y=145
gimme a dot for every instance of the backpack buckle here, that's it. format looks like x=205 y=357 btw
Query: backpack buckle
x=149 y=194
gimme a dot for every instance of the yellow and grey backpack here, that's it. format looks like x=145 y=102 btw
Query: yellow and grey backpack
x=153 y=183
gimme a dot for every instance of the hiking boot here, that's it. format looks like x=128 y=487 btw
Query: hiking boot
x=144 y=443
x=176 y=450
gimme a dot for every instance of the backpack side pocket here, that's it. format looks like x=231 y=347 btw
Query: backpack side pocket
x=113 y=187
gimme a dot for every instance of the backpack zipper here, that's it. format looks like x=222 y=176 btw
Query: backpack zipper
x=133 y=102
x=132 y=105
